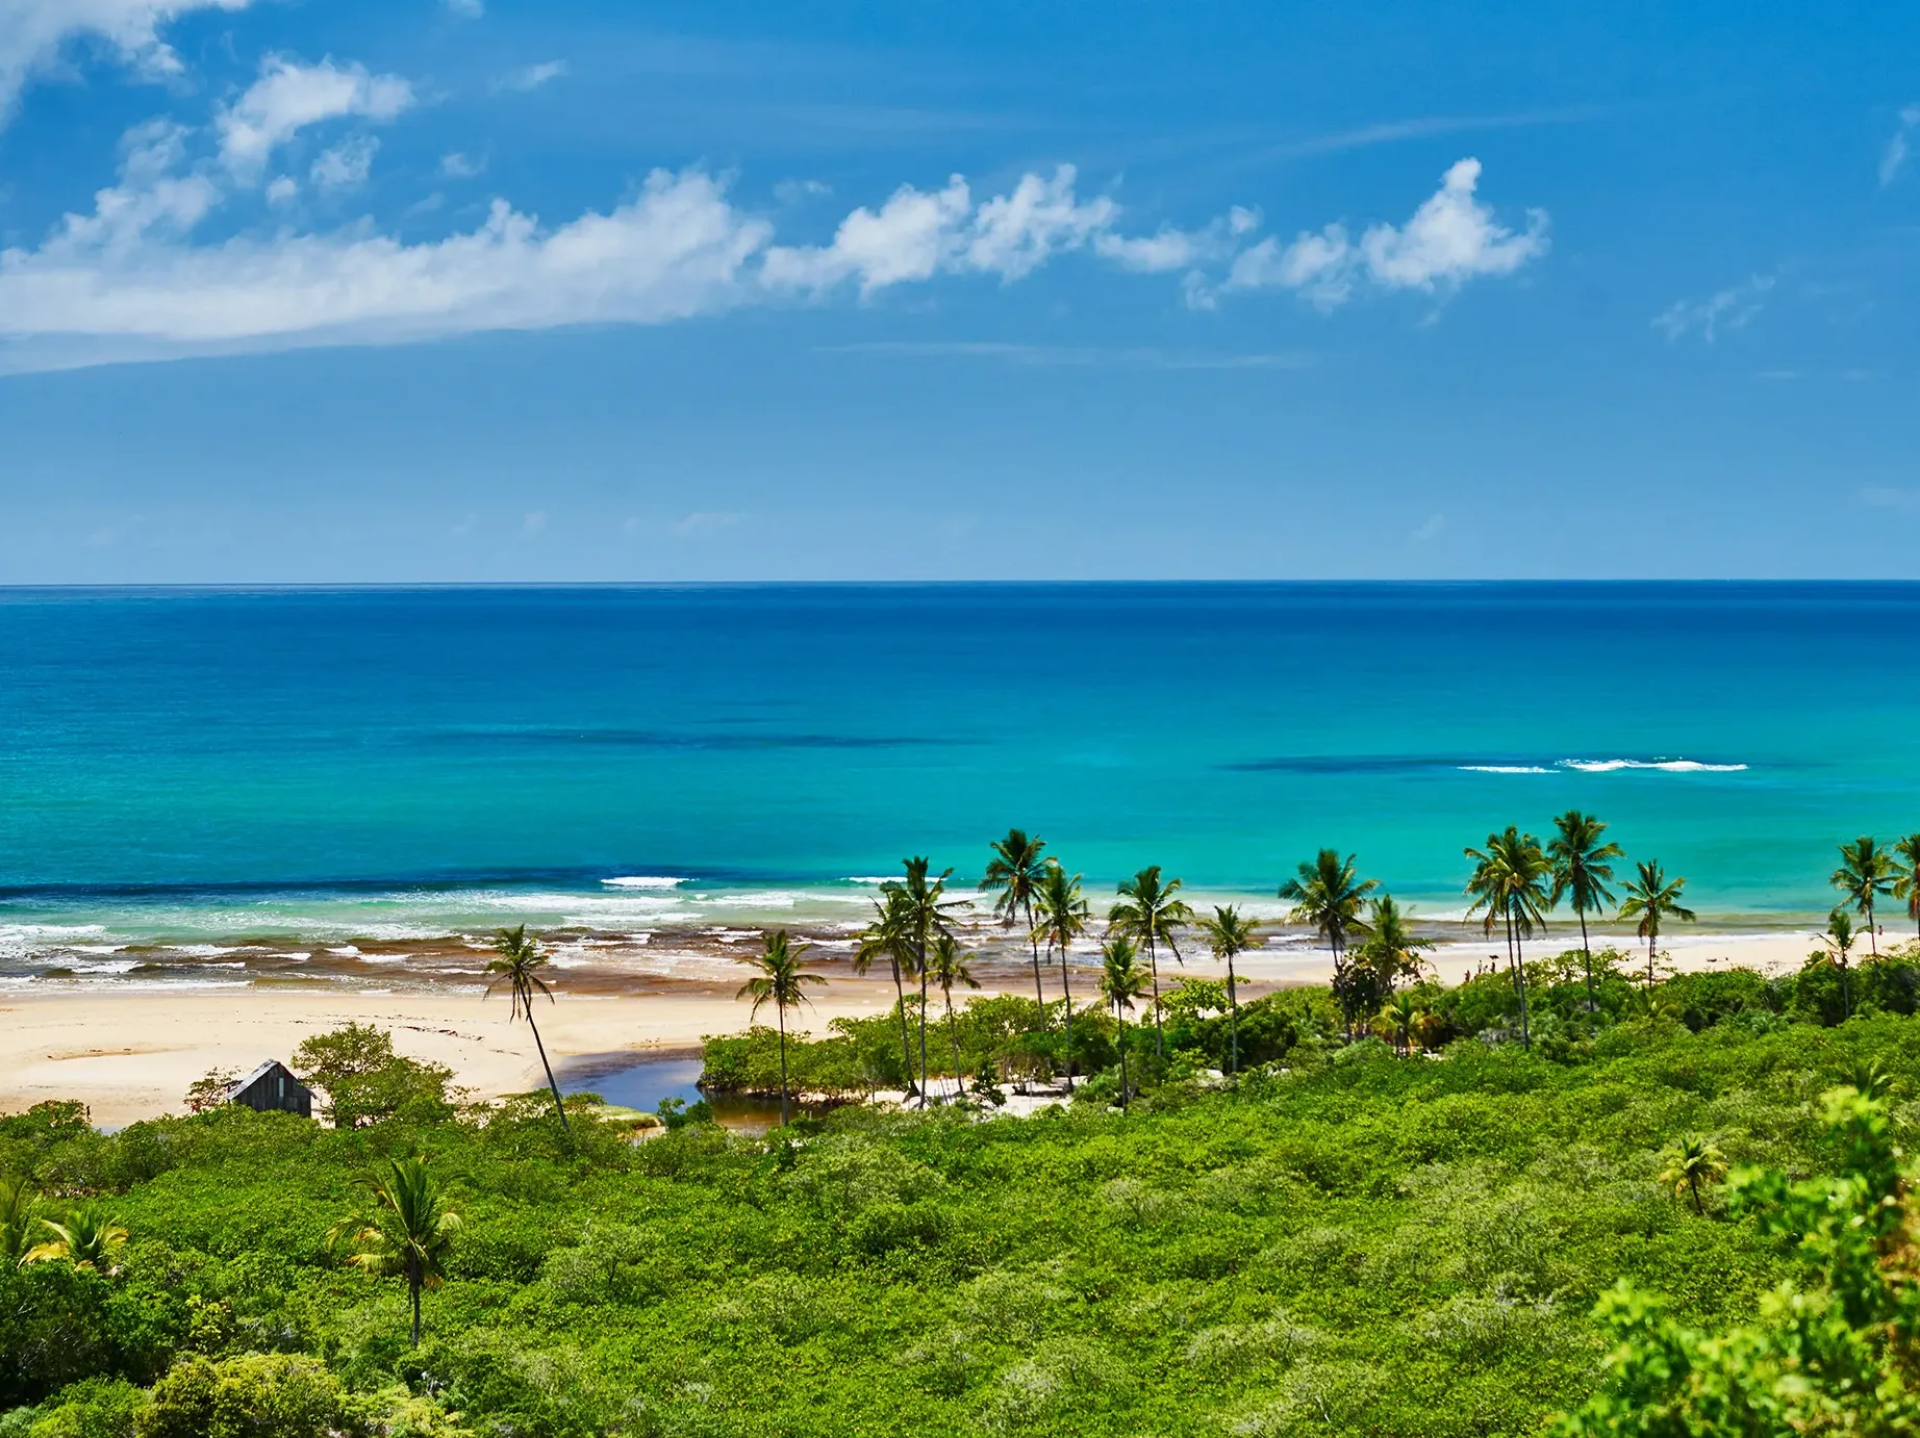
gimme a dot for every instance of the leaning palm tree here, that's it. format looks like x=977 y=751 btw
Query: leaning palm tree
x=1121 y=985
x=1651 y=898
x=89 y=1237
x=1149 y=912
x=409 y=1233
x=518 y=971
x=927 y=914
x=1509 y=881
x=1327 y=895
x=1228 y=934
x=1839 y=939
x=1691 y=1162
x=1063 y=918
x=1582 y=869
x=19 y=1219
x=1015 y=873
x=1906 y=876
x=950 y=967
x=780 y=981
x=890 y=937
x=1866 y=872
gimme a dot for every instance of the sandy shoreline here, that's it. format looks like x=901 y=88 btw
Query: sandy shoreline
x=131 y=1055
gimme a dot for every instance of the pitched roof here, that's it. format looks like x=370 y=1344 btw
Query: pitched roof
x=251 y=1079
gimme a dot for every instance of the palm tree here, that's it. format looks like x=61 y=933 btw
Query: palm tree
x=1391 y=950
x=90 y=1238
x=1866 y=871
x=949 y=967
x=889 y=936
x=1148 y=913
x=1121 y=985
x=18 y=1218
x=1906 y=881
x=1327 y=895
x=518 y=968
x=1582 y=869
x=409 y=1233
x=1651 y=898
x=927 y=914
x=1229 y=934
x=1401 y=1015
x=1063 y=918
x=1509 y=880
x=1691 y=1162
x=1014 y=873
x=1840 y=938
x=780 y=982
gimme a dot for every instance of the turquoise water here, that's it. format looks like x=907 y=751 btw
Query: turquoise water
x=189 y=767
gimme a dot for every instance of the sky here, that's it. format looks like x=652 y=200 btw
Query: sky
x=488 y=290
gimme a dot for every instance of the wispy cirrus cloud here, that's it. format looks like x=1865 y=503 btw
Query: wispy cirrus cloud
x=34 y=33
x=532 y=77
x=1900 y=146
x=1074 y=356
x=1733 y=308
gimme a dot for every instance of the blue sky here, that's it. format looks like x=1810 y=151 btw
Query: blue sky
x=429 y=290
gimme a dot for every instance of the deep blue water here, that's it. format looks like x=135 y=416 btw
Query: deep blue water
x=332 y=762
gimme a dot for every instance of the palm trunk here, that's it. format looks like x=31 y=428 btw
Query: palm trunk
x=953 y=1032
x=1066 y=992
x=1233 y=1025
x=906 y=1042
x=1586 y=955
x=1123 y=1054
x=1846 y=991
x=923 y=1024
x=1873 y=939
x=781 y=1011
x=1693 y=1182
x=1653 y=934
x=558 y=1107
x=1520 y=976
x=1159 y=1033
x=1340 y=987
x=413 y=1285
x=1039 y=994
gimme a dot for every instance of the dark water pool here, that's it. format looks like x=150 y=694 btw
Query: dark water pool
x=643 y=1082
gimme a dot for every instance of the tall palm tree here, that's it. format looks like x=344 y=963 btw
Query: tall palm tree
x=1582 y=869
x=1149 y=912
x=1653 y=898
x=1840 y=938
x=1327 y=894
x=1014 y=874
x=518 y=970
x=409 y=1233
x=950 y=967
x=1906 y=880
x=780 y=981
x=1509 y=881
x=927 y=913
x=89 y=1237
x=1121 y=985
x=19 y=1219
x=1063 y=918
x=890 y=936
x=1392 y=949
x=1228 y=934
x=1866 y=872
x=1691 y=1162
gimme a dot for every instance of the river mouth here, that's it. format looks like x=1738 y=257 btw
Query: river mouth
x=643 y=1082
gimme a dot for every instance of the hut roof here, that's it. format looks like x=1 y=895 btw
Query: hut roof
x=251 y=1079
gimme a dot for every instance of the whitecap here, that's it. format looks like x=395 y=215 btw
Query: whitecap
x=1502 y=769
x=1669 y=766
x=643 y=881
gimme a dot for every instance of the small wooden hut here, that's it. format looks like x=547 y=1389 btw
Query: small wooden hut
x=271 y=1088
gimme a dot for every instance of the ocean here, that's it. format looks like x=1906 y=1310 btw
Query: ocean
x=291 y=773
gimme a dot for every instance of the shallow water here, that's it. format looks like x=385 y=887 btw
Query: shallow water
x=643 y=1083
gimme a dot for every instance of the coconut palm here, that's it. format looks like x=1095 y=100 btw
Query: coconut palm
x=1839 y=939
x=1391 y=951
x=927 y=913
x=1582 y=869
x=1652 y=898
x=1866 y=872
x=408 y=1234
x=1327 y=895
x=890 y=936
x=19 y=1219
x=1121 y=985
x=89 y=1237
x=1691 y=1162
x=1228 y=934
x=1063 y=918
x=1509 y=881
x=780 y=981
x=518 y=971
x=1149 y=912
x=1400 y=1016
x=1014 y=874
x=949 y=967
x=1906 y=876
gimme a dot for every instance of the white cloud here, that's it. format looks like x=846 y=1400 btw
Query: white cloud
x=533 y=76
x=1172 y=249
x=1900 y=146
x=1731 y=309
x=282 y=189
x=457 y=166
x=289 y=96
x=33 y=34
x=346 y=164
x=1452 y=238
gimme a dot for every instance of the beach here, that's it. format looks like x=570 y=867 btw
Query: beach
x=130 y=1053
